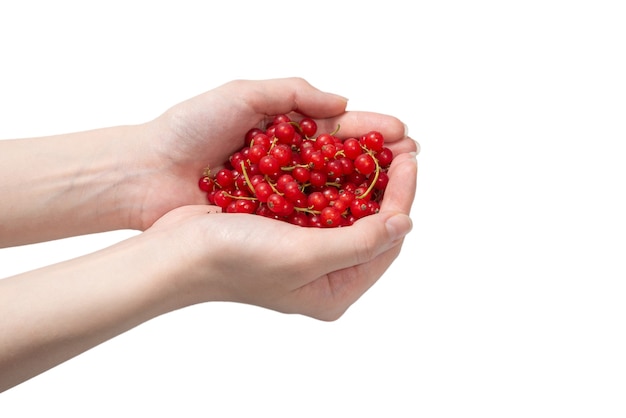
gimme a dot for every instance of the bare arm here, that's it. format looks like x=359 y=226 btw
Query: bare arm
x=66 y=185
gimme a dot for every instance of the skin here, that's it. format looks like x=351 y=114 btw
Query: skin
x=139 y=177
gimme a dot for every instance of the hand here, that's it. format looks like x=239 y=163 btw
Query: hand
x=205 y=130
x=255 y=260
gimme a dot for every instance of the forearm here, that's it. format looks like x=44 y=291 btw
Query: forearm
x=65 y=185
x=52 y=314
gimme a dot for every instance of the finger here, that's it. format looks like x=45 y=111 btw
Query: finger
x=355 y=123
x=285 y=95
x=400 y=191
x=404 y=146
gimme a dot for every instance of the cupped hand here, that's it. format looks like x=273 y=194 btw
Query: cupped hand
x=318 y=272
x=205 y=130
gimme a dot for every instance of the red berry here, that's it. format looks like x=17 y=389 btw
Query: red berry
x=206 y=184
x=251 y=134
x=318 y=178
x=285 y=132
x=324 y=139
x=256 y=152
x=262 y=191
x=225 y=178
x=330 y=217
x=282 y=153
x=308 y=127
x=222 y=199
x=385 y=156
x=269 y=165
x=263 y=140
x=359 y=208
x=317 y=201
x=298 y=218
x=373 y=140
x=365 y=164
x=352 y=148
x=301 y=174
x=278 y=119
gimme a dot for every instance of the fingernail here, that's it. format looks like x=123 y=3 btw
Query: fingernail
x=418 y=147
x=398 y=226
x=345 y=99
x=406 y=130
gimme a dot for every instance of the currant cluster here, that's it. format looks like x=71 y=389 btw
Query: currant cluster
x=288 y=173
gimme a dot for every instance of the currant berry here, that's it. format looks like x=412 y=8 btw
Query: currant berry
x=385 y=156
x=245 y=206
x=222 y=199
x=256 y=152
x=308 y=127
x=284 y=132
x=269 y=165
x=206 y=184
x=365 y=164
x=251 y=134
x=225 y=178
x=301 y=174
x=382 y=181
x=373 y=140
x=324 y=139
x=359 y=208
x=281 y=118
x=330 y=217
x=317 y=201
x=318 y=178
x=282 y=153
x=352 y=148
x=262 y=191
x=263 y=140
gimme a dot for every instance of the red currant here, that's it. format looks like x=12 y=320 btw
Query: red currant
x=308 y=127
x=365 y=164
x=284 y=132
x=330 y=217
x=285 y=173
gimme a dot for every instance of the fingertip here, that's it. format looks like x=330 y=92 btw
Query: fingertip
x=398 y=225
x=340 y=98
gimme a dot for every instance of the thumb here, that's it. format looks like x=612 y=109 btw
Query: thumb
x=372 y=235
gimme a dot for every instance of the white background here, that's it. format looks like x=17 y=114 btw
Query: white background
x=508 y=299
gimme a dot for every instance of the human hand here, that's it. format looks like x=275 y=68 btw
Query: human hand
x=205 y=130
x=318 y=272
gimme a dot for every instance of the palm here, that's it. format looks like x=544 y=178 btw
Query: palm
x=238 y=250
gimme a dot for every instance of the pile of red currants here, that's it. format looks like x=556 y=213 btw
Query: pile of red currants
x=288 y=173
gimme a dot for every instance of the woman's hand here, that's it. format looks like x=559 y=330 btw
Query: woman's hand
x=191 y=256
x=251 y=259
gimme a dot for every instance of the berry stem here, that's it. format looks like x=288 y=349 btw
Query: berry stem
x=240 y=197
x=376 y=174
x=245 y=175
x=307 y=210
